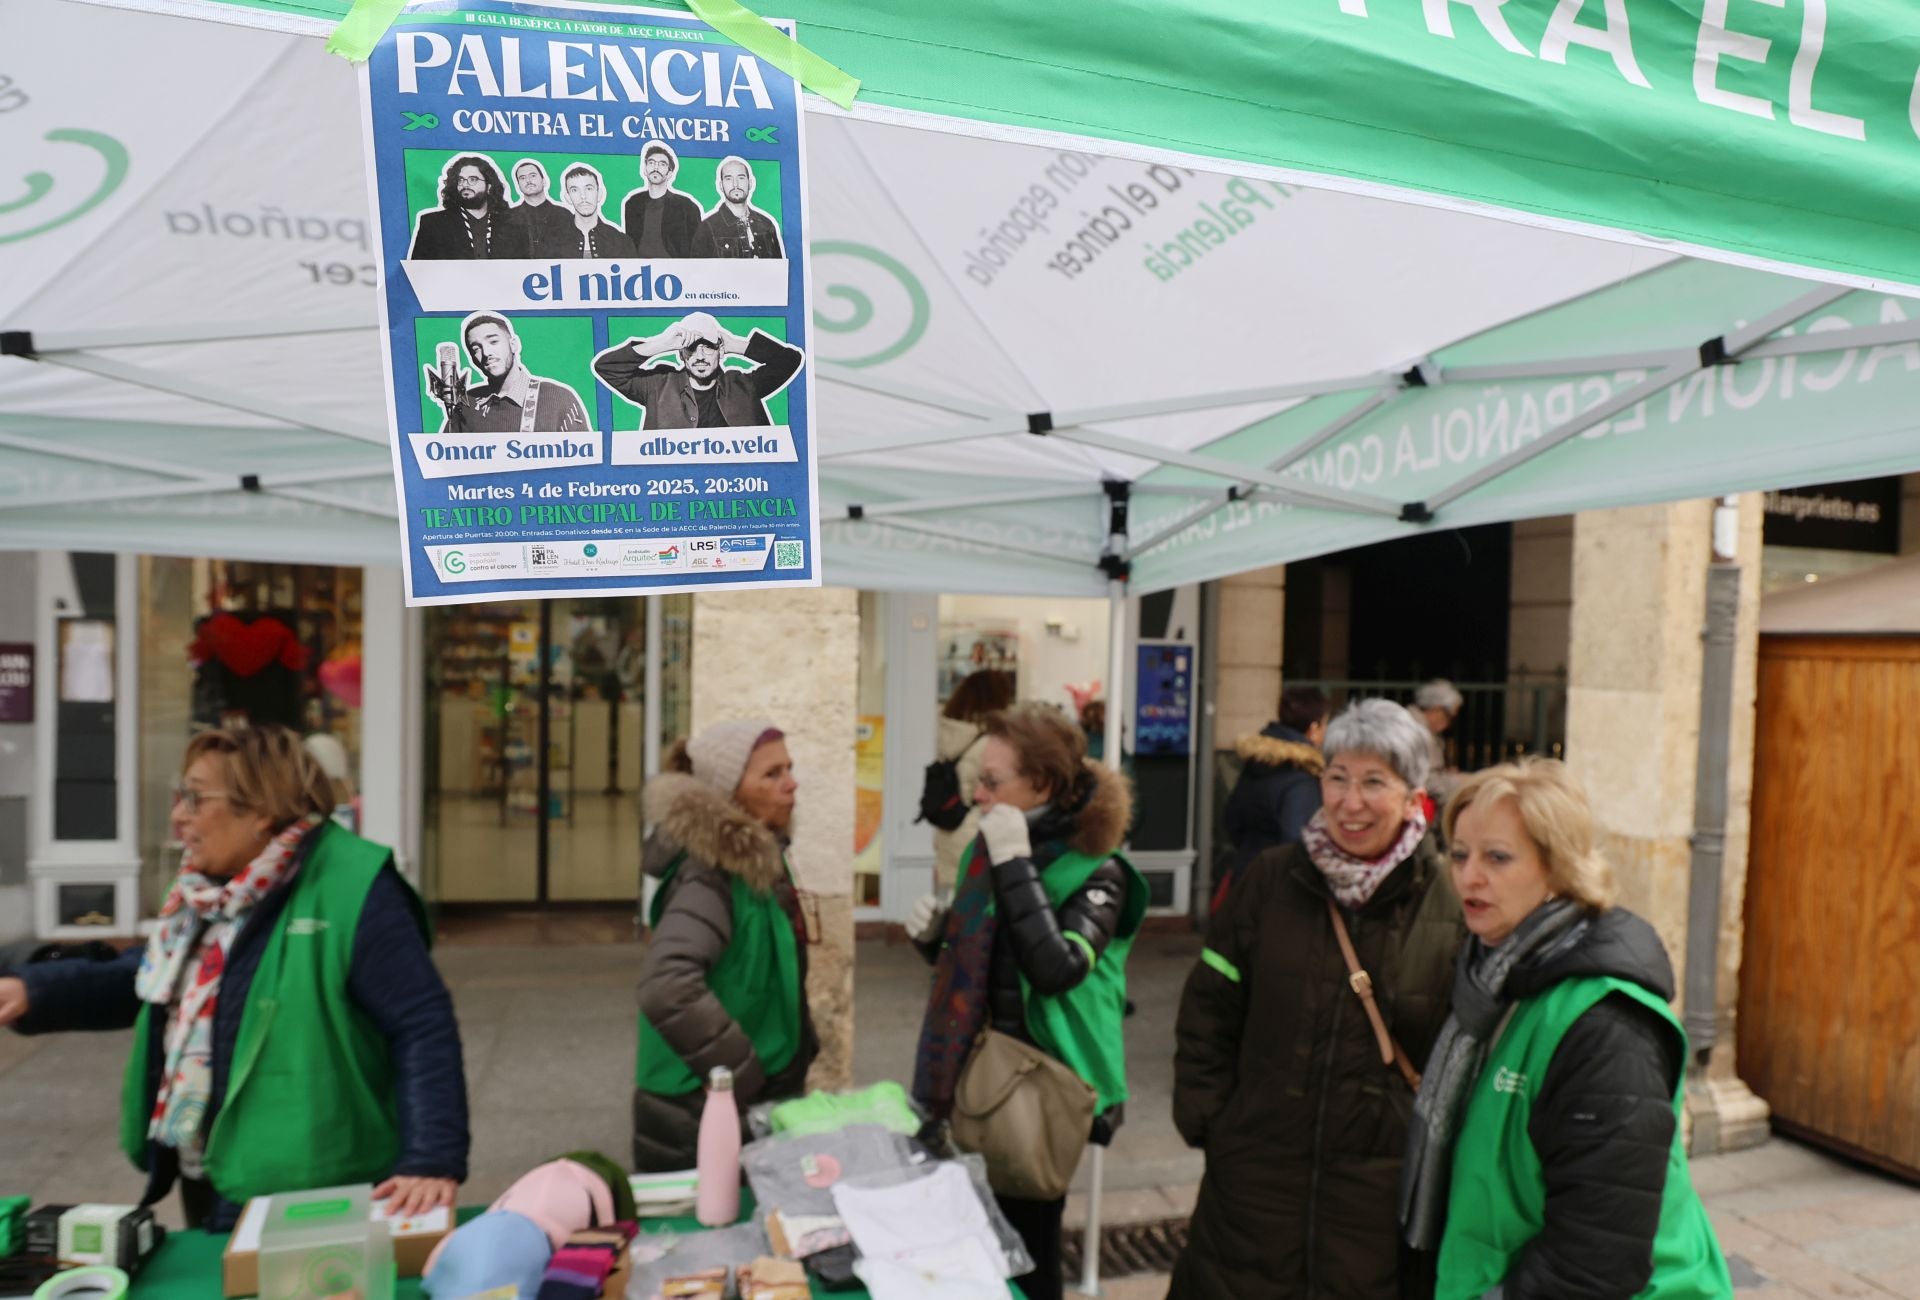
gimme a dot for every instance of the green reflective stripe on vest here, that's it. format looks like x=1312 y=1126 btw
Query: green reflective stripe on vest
x=1083 y=1025
x=762 y=956
x=309 y=1100
x=1497 y=1200
x=1221 y=964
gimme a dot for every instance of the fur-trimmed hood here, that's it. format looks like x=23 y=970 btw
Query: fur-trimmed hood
x=688 y=814
x=1099 y=825
x=1278 y=751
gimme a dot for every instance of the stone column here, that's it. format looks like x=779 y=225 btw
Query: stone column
x=1633 y=726
x=1253 y=609
x=793 y=656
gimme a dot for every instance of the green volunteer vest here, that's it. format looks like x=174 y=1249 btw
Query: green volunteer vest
x=1082 y=1025
x=309 y=1099
x=1497 y=1201
x=757 y=981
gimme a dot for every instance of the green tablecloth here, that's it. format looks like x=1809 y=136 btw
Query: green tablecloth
x=187 y=1267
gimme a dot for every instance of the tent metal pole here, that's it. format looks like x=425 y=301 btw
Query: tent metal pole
x=1334 y=429
x=1288 y=486
x=336 y=503
x=890 y=508
x=1553 y=437
x=1110 y=741
x=142 y=377
x=954 y=534
x=69 y=451
x=868 y=383
x=1861 y=336
x=52 y=341
x=650 y=685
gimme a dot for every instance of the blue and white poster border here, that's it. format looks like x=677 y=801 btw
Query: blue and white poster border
x=599 y=377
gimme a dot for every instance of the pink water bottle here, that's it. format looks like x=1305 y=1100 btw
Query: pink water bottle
x=716 y=1198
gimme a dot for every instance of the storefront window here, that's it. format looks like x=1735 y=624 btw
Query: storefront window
x=225 y=643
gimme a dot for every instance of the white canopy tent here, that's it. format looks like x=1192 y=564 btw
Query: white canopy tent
x=1008 y=332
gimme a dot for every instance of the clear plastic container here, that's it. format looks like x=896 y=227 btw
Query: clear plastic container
x=324 y=1243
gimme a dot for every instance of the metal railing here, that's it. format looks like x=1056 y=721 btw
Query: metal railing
x=1526 y=714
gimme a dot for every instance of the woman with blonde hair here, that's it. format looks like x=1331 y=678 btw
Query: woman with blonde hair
x=1544 y=1158
x=290 y=1030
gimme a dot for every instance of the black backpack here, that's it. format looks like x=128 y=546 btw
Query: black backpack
x=943 y=804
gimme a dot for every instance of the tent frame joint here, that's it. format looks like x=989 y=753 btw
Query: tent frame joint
x=1420 y=375
x=1040 y=423
x=17 y=343
x=1415 y=512
x=1714 y=352
x=250 y=483
x=856 y=513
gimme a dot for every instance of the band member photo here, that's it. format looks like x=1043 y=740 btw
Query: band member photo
x=507 y=398
x=549 y=224
x=701 y=391
x=473 y=220
x=660 y=220
x=735 y=228
x=593 y=235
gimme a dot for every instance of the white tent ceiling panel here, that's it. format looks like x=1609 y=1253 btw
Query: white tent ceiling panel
x=1186 y=331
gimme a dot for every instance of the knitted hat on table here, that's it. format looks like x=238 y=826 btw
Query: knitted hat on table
x=720 y=753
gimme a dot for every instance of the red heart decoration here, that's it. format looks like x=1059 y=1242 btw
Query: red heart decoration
x=245 y=648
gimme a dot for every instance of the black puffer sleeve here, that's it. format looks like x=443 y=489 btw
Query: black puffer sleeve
x=1603 y=1128
x=1056 y=950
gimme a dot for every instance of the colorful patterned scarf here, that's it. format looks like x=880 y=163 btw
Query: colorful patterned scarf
x=1352 y=879
x=958 y=1008
x=182 y=966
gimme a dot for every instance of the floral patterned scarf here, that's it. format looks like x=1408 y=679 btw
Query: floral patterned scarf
x=1352 y=879
x=958 y=1007
x=181 y=968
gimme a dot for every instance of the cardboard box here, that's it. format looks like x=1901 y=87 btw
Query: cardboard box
x=413 y=1240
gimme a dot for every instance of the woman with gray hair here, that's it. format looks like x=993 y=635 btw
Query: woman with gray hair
x=1303 y=1029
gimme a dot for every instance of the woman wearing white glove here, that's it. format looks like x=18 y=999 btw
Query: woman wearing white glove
x=1035 y=941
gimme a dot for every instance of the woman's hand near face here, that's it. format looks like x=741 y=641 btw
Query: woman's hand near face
x=407 y=1196
x=1004 y=828
x=13 y=999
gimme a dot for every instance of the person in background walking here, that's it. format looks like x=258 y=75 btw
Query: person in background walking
x=1294 y=1073
x=724 y=978
x=1544 y=1158
x=1435 y=705
x=1279 y=786
x=1035 y=942
x=979 y=693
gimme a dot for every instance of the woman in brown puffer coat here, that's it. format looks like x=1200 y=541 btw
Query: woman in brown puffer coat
x=1279 y=1073
x=724 y=978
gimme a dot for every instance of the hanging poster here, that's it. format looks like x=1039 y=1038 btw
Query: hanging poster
x=1163 y=693
x=594 y=302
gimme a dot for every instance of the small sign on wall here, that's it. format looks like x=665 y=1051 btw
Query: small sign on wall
x=16 y=681
x=1858 y=516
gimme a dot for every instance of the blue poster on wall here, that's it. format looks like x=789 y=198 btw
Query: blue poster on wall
x=594 y=300
x=1163 y=699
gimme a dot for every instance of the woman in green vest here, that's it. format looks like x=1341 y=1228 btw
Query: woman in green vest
x=290 y=1030
x=1544 y=1158
x=1036 y=938
x=724 y=978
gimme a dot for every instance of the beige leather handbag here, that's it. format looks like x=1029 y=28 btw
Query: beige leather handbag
x=1026 y=1112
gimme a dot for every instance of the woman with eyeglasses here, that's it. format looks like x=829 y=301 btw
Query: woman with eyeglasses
x=290 y=1030
x=1303 y=1029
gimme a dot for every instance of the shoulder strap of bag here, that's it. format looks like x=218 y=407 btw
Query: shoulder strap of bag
x=1391 y=1053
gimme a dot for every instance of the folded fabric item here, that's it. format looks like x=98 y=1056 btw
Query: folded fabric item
x=562 y=1196
x=13 y=1222
x=963 y=1269
x=499 y=1248
x=884 y=1103
x=796 y=1175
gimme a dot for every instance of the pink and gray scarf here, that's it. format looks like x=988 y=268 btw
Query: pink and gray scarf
x=1352 y=879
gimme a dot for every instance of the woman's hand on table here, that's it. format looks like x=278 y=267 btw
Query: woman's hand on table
x=408 y=1196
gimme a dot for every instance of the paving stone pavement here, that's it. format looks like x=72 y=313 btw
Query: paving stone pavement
x=548 y=1035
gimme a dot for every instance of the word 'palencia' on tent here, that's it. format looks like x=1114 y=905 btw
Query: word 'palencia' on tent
x=1099 y=293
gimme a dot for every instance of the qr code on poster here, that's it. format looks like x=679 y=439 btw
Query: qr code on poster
x=789 y=555
x=544 y=557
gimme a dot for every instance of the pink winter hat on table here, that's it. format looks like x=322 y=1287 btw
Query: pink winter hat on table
x=560 y=1197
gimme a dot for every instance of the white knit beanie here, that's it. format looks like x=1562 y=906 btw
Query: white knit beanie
x=720 y=753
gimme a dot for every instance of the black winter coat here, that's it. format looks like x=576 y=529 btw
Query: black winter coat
x=1030 y=937
x=392 y=979
x=1603 y=1122
x=1276 y=796
x=1278 y=1077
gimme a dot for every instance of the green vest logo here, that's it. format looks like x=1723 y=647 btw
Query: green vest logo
x=1505 y=1080
x=41 y=186
x=305 y=927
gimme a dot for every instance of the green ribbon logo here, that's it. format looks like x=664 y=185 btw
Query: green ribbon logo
x=40 y=185
x=860 y=315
